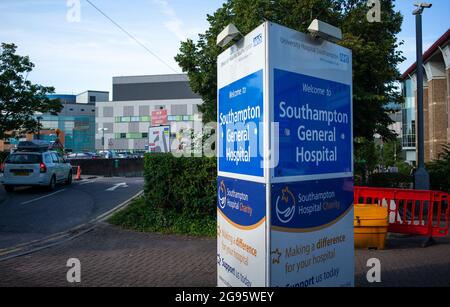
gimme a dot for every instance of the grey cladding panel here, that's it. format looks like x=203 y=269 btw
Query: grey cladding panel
x=98 y=144
x=140 y=144
x=179 y=109
x=153 y=91
x=133 y=127
x=128 y=111
x=121 y=144
x=109 y=126
x=144 y=110
x=108 y=112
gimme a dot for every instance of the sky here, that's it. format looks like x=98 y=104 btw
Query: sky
x=78 y=52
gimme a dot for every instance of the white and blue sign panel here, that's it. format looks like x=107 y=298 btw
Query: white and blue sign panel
x=240 y=119
x=312 y=233
x=315 y=124
x=312 y=186
x=241 y=200
x=310 y=205
x=241 y=233
x=280 y=87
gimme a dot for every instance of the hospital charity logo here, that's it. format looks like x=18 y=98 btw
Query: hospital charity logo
x=222 y=195
x=285 y=206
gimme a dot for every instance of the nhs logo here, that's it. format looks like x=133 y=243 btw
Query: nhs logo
x=344 y=58
x=257 y=40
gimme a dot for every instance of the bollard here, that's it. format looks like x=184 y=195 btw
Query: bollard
x=78 y=177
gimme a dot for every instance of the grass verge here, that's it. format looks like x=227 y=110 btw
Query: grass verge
x=143 y=216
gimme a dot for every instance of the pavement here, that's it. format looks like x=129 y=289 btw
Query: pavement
x=34 y=214
x=40 y=231
x=110 y=256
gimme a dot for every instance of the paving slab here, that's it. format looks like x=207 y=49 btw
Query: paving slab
x=111 y=256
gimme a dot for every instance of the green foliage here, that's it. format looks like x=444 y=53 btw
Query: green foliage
x=390 y=153
x=180 y=197
x=374 y=46
x=185 y=185
x=144 y=216
x=404 y=168
x=439 y=171
x=19 y=98
x=390 y=180
x=366 y=156
x=3 y=155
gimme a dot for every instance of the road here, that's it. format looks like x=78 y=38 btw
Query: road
x=31 y=214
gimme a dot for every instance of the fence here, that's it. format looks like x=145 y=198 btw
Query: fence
x=415 y=212
x=111 y=167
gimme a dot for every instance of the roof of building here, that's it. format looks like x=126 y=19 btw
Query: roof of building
x=151 y=79
x=91 y=91
x=442 y=41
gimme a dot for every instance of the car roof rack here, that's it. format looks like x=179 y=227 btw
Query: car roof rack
x=33 y=146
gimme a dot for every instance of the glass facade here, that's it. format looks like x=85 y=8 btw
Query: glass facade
x=408 y=115
x=79 y=131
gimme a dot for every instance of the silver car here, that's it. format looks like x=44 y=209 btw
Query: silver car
x=35 y=169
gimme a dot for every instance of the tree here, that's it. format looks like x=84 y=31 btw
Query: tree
x=20 y=99
x=390 y=153
x=440 y=171
x=374 y=46
x=367 y=157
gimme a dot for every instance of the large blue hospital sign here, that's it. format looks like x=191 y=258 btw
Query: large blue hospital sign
x=285 y=170
x=240 y=118
x=315 y=132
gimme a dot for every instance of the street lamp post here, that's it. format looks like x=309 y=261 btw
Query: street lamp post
x=103 y=136
x=422 y=178
x=39 y=118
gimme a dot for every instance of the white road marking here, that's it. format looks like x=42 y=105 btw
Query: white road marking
x=36 y=199
x=115 y=187
x=88 y=182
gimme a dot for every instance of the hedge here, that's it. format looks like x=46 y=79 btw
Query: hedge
x=183 y=185
x=179 y=197
x=390 y=180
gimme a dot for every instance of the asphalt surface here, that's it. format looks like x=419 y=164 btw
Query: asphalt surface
x=31 y=214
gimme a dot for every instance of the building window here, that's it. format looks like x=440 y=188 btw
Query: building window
x=180 y=118
x=92 y=99
x=133 y=119
x=134 y=135
x=131 y=136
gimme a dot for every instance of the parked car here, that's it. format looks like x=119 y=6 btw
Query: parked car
x=83 y=156
x=33 y=165
x=122 y=156
x=108 y=154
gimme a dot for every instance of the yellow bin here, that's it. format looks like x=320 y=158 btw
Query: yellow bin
x=371 y=226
